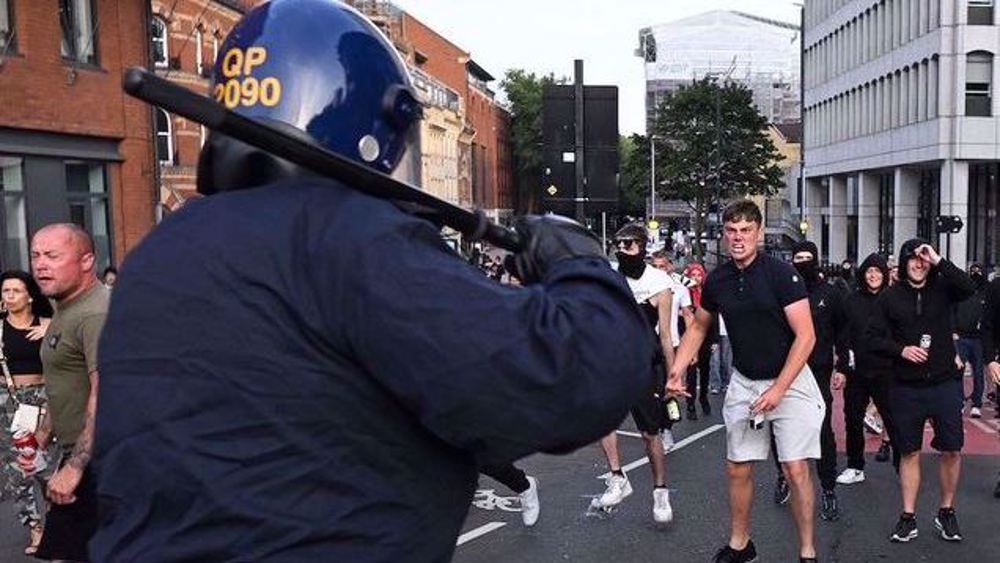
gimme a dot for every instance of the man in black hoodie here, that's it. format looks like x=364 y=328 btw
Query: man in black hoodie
x=826 y=303
x=913 y=326
x=991 y=344
x=868 y=372
x=968 y=328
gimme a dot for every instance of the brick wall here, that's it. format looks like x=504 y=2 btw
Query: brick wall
x=41 y=91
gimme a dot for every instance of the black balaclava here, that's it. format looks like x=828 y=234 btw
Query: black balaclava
x=977 y=275
x=632 y=265
x=809 y=270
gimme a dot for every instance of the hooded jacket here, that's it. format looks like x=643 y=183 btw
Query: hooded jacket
x=906 y=313
x=860 y=308
x=827 y=308
x=969 y=313
x=991 y=323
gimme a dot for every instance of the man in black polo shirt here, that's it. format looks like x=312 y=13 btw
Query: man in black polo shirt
x=767 y=314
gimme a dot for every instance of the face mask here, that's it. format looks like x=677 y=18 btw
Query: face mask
x=808 y=270
x=631 y=265
x=977 y=277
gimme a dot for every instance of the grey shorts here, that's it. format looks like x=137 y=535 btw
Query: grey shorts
x=796 y=422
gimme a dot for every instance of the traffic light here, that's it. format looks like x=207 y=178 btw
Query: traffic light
x=949 y=224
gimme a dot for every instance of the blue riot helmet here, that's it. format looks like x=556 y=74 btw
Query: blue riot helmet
x=322 y=71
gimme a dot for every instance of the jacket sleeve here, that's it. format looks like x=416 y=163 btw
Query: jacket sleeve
x=501 y=372
x=841 y=332
x=879 y=334
x=991 y=323
x=959 y=284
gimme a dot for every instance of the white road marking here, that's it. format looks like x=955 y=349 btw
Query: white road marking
x=685 y=442
x=629 y=434
x=480 y=531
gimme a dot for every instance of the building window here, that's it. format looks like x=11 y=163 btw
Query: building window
x=980 y=12
x=886 y=212
x=8 y=41
x=199 y=65
x=87 y=196
x=164 y=140
x=978 y=78
x=13 y=217
x=984 y=214
x=78 y=21
x=158 y=33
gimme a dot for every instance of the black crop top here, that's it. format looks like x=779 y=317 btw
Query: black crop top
x=22 y=354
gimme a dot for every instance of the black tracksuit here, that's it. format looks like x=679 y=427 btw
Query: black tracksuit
x=868 y=375
x=826 y=302
x=991 y=325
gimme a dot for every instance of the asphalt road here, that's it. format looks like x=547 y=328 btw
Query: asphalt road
x=696 y=474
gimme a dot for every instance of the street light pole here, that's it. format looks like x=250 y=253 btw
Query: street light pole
x=652 y=178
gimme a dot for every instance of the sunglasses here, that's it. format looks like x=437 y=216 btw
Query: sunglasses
x=626 y=242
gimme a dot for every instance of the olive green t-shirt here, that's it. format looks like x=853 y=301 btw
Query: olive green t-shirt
x=69 y=354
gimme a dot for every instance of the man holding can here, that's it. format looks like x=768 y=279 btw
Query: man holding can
x=772 y=390
x=913 y=326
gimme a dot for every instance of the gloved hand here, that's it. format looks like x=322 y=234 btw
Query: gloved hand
x=549 y=239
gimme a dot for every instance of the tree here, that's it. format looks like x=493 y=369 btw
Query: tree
x=524 y=92
x=634 y=174
x=712 y=146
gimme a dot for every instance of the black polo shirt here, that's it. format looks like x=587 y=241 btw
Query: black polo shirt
x=753 y=303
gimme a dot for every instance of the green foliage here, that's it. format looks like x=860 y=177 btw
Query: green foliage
x=634 y=174
x=712 y=146
x=524 y=92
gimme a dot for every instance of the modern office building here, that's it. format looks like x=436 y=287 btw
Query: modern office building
x=901 y=126
x=761 y=53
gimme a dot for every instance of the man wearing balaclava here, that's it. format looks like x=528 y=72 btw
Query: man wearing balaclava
x=968 y=328
x=652 y=291
x=913 y=326
x=829 y=322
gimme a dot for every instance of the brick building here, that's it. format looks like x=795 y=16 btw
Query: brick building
x=73 y=147
x=184 y=42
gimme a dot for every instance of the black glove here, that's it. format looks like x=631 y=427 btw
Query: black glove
x=547 y=240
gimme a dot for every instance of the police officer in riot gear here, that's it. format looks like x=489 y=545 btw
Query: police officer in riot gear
x=293 y=370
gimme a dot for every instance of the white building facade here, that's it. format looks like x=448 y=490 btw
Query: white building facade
x=901 y=126
x=760 y=53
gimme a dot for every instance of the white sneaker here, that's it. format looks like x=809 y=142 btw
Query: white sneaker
x=529 y=503
x=974 y=412
x=662 y=511
x=667 y=437
x=618 y=489
x=851 y=476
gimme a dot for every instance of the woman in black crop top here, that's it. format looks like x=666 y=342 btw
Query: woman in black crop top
x=26 y=315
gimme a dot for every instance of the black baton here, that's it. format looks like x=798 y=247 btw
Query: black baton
x=146 y=86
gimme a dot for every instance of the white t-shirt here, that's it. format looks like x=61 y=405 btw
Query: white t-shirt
x=682 y=298
x=654 y=281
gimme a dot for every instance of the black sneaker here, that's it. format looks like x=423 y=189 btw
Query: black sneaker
x=729 y=555
x=692 y=412
x=906 y=529
x=947 y=523
x=706 y=408
x=830 y=508
x=883 y=453
x=782 y=492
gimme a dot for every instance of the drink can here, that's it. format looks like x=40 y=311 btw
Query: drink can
x=925 y=341
x=25 y=443
x=757 y=421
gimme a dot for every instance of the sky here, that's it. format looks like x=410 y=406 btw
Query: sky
x=545 y=36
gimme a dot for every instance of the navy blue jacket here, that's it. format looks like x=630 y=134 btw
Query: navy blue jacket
x=301 y=372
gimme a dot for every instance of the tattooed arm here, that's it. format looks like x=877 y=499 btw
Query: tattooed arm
x=85 y=442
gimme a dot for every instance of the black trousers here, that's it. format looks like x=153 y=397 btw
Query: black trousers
x=698 y=374
x=507 y=475
x=859 y=391
x=826 y=465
